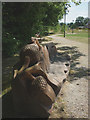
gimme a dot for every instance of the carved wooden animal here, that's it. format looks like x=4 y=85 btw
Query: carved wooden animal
x=31 y=91
x=51 y=49
x=30 y=55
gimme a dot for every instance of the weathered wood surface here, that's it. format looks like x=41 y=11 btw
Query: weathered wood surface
x=31 y=101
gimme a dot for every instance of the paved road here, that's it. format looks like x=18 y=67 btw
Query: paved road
x=75 y=91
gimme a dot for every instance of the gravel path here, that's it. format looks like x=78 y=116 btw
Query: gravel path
x=74 y=92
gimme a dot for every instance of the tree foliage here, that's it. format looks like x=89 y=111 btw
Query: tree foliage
x=80 y=21
x=21 y=20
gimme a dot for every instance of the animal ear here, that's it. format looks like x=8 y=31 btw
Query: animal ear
x=37 y=42
x=33 y=39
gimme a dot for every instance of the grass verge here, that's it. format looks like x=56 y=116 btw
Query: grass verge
x=7 y=73
x=78 y=35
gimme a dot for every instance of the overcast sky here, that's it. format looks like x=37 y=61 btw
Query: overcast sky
x=75 y=11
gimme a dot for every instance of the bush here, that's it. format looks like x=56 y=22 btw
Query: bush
x=9 y=45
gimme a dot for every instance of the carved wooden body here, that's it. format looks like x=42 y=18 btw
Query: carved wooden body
x=33 y=91
x=31 y=85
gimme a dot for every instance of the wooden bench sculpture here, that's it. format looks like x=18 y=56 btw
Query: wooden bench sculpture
x=51 y=49
x=34 y=90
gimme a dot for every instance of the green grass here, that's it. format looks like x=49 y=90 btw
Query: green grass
x=7 y=73
x=78 y=35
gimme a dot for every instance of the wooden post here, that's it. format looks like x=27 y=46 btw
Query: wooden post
x=64 y=20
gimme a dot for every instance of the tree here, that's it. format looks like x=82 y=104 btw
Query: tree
x=86 y=20
x=79 y=21
x=21 y=20
x=61 y=24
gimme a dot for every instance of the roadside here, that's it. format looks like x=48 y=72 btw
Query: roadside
x=74 y=93
x=7 y=73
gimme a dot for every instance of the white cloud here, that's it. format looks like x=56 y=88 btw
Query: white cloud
x=75 y=11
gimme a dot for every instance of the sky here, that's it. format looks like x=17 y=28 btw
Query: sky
x=75 y=11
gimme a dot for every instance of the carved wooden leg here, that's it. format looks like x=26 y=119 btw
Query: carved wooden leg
x=36 y=70
x=16 y=67
x=15 y=73
x=38 y=44
x=25 y=65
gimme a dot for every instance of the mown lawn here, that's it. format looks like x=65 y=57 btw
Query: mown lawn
x=78 y=35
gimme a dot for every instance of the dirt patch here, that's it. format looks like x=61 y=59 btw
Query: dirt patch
x=74 y=92
x=75 y=98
